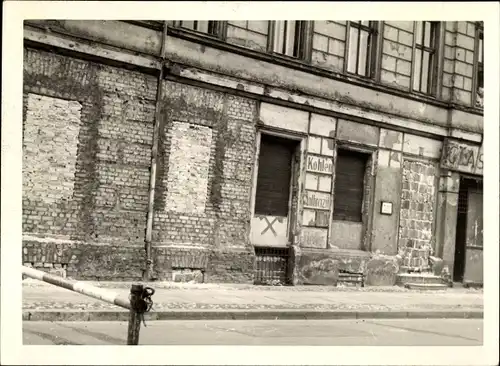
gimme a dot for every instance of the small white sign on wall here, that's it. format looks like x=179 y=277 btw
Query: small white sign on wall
x=386 y=208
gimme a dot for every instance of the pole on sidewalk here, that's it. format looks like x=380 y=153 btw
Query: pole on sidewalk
x=134 y=320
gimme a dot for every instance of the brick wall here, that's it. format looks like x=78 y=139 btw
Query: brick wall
x=90 y=221
x=418 y=197
x=328 y=45
x=397 y=54
x=458 y=64
x=211 y=174
x=248 y=33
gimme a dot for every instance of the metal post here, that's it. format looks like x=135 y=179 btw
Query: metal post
x=134 y=321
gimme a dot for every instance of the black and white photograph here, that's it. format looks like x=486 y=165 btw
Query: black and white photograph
x=280 y=184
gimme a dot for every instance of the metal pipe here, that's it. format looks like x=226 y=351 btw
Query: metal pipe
x=80 y=287
x=148 y=273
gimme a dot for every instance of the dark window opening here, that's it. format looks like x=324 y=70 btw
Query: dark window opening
x=350 y=171
x=274 y=175
x=362 y=47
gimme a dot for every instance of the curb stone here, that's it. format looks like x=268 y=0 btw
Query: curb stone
x=120 y=315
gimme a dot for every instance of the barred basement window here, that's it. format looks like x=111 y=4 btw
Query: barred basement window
x=289 y=38
x=350 y=170
x=211 y=27
x=479 y=54
x=425 y=46
x=362 y=47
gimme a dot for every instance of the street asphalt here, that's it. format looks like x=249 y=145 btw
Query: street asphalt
x=346 y=332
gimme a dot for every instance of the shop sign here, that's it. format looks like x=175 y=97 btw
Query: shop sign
x=462 y=157
x=319 y=164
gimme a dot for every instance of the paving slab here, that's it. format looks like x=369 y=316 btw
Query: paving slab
x=47 y=302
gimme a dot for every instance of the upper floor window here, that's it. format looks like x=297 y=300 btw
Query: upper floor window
x=211 y=27
x=425 y=56
x=479 y=66
x=361 y=48
x=289 y=38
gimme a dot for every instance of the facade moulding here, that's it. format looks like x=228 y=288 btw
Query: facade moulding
x=299 y=65
x=72 y=46
x=328 y=108
x=152 y=64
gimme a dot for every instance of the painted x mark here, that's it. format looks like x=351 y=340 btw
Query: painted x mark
x=269 y=226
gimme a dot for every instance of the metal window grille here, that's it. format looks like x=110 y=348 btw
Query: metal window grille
x=362 y=47
x=272 y=266
x=424 y=56
x=466 y=185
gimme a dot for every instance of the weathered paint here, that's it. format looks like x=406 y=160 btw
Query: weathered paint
x=446 y=222
x=91 y=49
x=284 y=118
x=357 y=132
x=319 y=164
x=346 y=234
x=462 y=157
x=313 y=237
x=141 y=39
x=277 y=75
x=317 y=200
x=387 y=189
x=267 y=73
x=308 y=217
x=422 y=146
x=269 y=230
x=323 y=125
x=392 y=140
x=474 y=266
x=474 y=239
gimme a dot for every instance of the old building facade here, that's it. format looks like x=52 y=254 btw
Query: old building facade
x=230 y=151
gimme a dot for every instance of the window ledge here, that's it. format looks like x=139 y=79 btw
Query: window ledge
x=301 y=65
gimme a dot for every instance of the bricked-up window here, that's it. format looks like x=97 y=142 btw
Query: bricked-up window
x=350 y=171
x=361 y=47
x=425 y=56
x=479 y=65
x=289 y=37
x=274 y=174
x=211 y=27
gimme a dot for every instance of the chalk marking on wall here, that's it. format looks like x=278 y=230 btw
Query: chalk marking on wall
x=269 y=226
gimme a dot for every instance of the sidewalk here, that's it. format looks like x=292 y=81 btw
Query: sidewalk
x=43 y=301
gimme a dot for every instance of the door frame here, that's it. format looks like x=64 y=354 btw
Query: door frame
x=301 y=139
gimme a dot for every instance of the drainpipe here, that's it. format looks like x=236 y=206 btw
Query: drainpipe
x=148 y=273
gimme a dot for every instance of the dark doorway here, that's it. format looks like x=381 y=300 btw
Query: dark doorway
x=466 y=185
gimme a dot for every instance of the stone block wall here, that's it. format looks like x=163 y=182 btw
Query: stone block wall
x=87 y=132
x=416 y=222
x=328 y=44
x=248 y=33
x=458 y=67
x=397 y=54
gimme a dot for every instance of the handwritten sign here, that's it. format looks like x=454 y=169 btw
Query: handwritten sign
x=313 y=238
x=317 y=200
x=319 y=164
x=462 y=157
